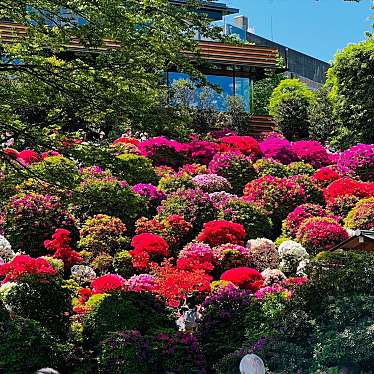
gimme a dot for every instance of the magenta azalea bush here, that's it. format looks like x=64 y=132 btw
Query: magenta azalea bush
x=312 y=152
x=358 y=160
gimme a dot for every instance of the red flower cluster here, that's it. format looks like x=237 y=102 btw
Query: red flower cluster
x=175 y=284
x=321 y=233
x=61 y=245
x=107 y=283
x=26 y=156
x=24 y=265
x=325 y=176
x=243 y=277
x=348 y=186
x=245 y=144
x=148 y=247
x=221 y=232
x=127 y=140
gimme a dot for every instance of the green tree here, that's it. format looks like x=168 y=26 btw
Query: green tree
x=352 y=92
x=262 y=90
x=322 y=124
x=289 y=104
x=111 y=79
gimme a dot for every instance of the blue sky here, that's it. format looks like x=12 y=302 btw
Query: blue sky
x=318 y=28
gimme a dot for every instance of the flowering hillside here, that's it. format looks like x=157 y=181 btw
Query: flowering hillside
x=157 y=256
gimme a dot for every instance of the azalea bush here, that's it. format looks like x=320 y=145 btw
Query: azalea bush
x=32 y=218
x=361 y=217
x=321 y=233
x=235 y=167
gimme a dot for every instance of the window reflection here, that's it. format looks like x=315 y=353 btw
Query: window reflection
x=201 y=97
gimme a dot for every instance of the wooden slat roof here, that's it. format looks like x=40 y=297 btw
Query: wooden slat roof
x=213 y=52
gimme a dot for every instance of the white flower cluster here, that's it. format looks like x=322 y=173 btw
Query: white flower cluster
x=6 y=252
x=291 y=254
x=83 y=274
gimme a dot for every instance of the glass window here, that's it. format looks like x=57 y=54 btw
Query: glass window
x=208 y=97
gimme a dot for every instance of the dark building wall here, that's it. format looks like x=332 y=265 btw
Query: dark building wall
x=298 y=64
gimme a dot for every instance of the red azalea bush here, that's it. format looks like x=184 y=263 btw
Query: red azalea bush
x=321 y=233
x=27 y=156
x=325 y=176
x=175 y=284
x=243 y=277
x=61 y=246
x=148 y=247
x=312 y=152
x=348 y=186
x=127 y=140
x=245 y=144
x=278 y=196
x=293 y=221
x=107 y=283
x=24 y=265
x=221 y=232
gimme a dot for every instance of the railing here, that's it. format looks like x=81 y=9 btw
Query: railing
x=261 y=124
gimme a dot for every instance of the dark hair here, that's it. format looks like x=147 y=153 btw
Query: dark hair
x=349 y=368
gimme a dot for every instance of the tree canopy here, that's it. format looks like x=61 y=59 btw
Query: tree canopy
x=45 y=83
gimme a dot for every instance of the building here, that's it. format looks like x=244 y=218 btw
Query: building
x=308 y=69
x=361 y=240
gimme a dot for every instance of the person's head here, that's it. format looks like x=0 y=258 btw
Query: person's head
x=46 y=371
x=349 y=368
x=251 y=364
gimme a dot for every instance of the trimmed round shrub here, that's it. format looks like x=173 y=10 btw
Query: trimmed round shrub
x=175 y=182
x=221 y=232
x=358 y=160
x=313 y=192
x=342 y=205
x=122 y=264
x=291 y=254
x=211 y=183
x=244 y=277
x=26 y=346
x=33 y=218
x=222 y=325
x=324 y=176
x=110 y=197
x=245 y=144
x=103 y=234
x=134 y=169
x=348 y=187
x=278 y=148
x=293 y=221
x=201 y=151
x=57 y=170
x=177 y=353
x=194 y=205
x=289 y=104
x=125 y=352
x=321 y=234
x=126 y=311
x=278 y=196
x=254 y=219
x=163 y=151
x=311 y=152
x=264 y=254
x=361 y=217
x=300 y=167
x=235 y=167
x=45 y=301
x=268 y=166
